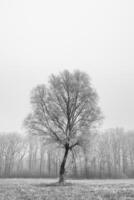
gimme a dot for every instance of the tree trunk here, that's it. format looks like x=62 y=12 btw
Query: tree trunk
x=62 y=167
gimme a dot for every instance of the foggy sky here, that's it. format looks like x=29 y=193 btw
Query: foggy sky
x=41 y=37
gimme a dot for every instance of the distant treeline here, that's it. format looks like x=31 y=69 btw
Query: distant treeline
x=109 y=155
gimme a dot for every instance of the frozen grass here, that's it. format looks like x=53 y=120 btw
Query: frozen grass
x=44 y=189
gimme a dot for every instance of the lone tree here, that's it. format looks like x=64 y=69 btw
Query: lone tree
x=64 y=112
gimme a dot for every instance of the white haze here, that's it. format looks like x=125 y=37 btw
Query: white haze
x=41 y=37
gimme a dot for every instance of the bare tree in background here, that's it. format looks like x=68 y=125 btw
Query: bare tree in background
x=64 y=112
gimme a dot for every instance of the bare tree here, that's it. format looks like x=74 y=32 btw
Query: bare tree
x=64 y=112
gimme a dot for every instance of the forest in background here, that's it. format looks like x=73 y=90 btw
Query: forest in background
x=110 y=154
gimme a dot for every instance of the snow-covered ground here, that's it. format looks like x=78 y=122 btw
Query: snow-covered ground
x=46 y=189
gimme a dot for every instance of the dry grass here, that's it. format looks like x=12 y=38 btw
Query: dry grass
x=42 y=189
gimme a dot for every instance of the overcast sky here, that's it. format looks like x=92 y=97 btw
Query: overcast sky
x=40 y=37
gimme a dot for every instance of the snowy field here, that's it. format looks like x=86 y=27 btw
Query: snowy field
x=44 y=189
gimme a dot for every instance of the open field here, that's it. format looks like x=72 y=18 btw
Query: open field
x=43 y=189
